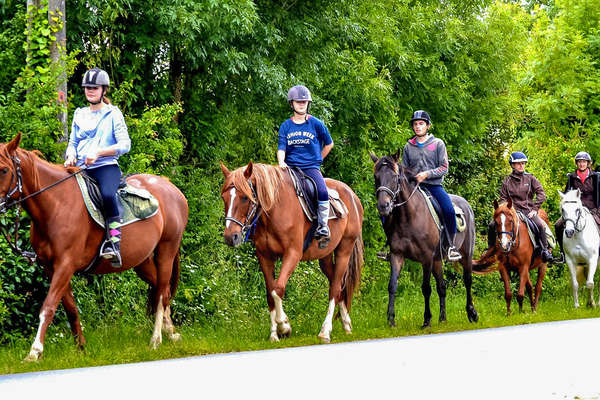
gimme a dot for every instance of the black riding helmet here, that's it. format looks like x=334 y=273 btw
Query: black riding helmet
x=420 y=115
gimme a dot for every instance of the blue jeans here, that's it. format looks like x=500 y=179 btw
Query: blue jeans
x=108 y=177
x=443 y=199
x=315 y=173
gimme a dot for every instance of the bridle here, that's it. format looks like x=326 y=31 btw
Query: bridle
x=8 y=202
x=514 y=235
x=251 y=217
x=575 y=222
x=394 y=193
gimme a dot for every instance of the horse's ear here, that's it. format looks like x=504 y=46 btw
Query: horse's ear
x=13 y=144
x=495 y=204
x=397 y=156
x=373 y=157
x=248 y=171
x=509 y=203
x=562 y=195
x=226 y=172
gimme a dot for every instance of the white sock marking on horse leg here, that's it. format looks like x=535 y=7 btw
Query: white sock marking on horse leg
x=232 y=194
x=168 y=326
x=157 y=334
x=327 y=324
x=273 y=336
x=283 y=326
x=345 y=316
x=37 y=348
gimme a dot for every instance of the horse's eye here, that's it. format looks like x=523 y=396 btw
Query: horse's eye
x=4 y=171
x=244 y=199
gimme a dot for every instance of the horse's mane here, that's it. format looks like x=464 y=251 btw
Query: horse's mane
x=267 y=178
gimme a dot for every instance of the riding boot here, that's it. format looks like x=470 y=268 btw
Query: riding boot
x=453 y=254
x=111 y=248
x=545 y=253
x=322 y=232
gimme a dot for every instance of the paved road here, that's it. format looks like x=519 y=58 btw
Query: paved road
x=557 y=360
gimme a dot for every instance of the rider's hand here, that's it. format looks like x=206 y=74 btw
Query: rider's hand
x=421 y=176
x=91 y=158
x=283 y=164
x=531 y=214
x=70 y=161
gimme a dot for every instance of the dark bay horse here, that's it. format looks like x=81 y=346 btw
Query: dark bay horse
x=66 y=239
x=261 y=198
x=412 y=233
x=514 y=253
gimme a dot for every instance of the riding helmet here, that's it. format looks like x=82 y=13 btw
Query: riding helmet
x=420 y=115
x=299 y=93
x=517 y=156
x=95 y=77
x=583 y=155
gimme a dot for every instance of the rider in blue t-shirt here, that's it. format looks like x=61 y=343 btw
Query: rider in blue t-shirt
x=304 y=142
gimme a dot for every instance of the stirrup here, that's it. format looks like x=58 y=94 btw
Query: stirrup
x=107 y=251
x=453 y=254
x=383 y=255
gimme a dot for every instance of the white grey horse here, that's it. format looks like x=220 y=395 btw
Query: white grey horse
x=581 y=241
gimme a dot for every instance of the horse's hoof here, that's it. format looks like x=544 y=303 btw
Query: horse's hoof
x=324 y=338
x=473 y=316
x=155 y=342
x=284 y=330
x=426 y=325
x=175 y=337
x=32 y=357
x=273 y=338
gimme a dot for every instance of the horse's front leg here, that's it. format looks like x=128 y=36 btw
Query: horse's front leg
x=426 y=290
x=506 y=282
x=58 y=285
x=267 y=266
x=288 y=265
x=590 y=280
x=574 y=280
x=440 y=285
x=523 y=278
x=467 y=263
x=396 y=264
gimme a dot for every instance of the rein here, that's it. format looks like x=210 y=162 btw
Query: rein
x=514 y=235
x=252 y=217
x=8 y=203
x=394 y=194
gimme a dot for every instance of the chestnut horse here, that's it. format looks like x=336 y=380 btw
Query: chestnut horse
x=412 y=233
x=261 y=199
x=66 y=239
x=514 y=252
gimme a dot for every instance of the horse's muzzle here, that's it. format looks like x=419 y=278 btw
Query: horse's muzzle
x=569 y=232
x=385 y=209
x=234 y=239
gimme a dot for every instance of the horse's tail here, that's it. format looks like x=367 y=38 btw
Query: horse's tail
x=352 y=277
x=486 y=264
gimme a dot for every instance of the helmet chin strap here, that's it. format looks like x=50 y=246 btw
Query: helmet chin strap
x=101 y=97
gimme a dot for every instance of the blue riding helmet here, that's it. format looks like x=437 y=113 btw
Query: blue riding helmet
x=583 y=155
x=299 y=93
x=95 y=77
x=517 y=156
x=420 y=115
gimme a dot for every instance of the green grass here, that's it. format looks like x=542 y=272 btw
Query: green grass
x=118 y=343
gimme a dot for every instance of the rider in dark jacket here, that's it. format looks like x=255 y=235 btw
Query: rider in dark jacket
x=588 y=182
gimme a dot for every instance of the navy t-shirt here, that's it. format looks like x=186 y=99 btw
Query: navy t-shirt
x=303 y=142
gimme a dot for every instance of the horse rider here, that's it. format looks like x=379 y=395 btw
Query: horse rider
x=588 y=183
x=426 y=155
x=527 y=196
x=98 y=137
x=304 y=142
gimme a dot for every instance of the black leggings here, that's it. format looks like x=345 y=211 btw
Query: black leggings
x=108 y=177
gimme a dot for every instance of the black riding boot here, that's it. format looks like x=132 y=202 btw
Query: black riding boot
x=545 y=253
x=111 y=248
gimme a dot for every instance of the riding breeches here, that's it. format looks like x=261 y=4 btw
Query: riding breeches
x=445 y=203
x=108 y=177
x=316 y=175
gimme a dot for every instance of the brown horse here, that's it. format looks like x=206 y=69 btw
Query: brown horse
x=262 y=198
x=412 y=233
x=514 y=252
x=66 y=239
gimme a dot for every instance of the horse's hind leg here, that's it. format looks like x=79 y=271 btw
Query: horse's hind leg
x=163 y=262
x=440 y=285
x=538 y=284
x=467 y=264
x=590 y=280
x=70 y=306
x=335 y=273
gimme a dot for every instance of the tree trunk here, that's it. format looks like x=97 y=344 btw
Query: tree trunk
x=57 y=16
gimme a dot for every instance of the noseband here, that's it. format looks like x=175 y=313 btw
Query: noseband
x=251 y=218
x=394 y=194
x=576 y=221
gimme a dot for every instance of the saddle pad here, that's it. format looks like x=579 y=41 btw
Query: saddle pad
x=337 y=207
x=549 y=235
x=461 y=221
x=137 y=203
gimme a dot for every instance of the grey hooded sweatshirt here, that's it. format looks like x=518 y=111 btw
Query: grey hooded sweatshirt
x=431 y=157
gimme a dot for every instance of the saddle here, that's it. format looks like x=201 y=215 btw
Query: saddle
x=534 y=232
x=306 y=191
x=137 y=203
x=436 y=211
